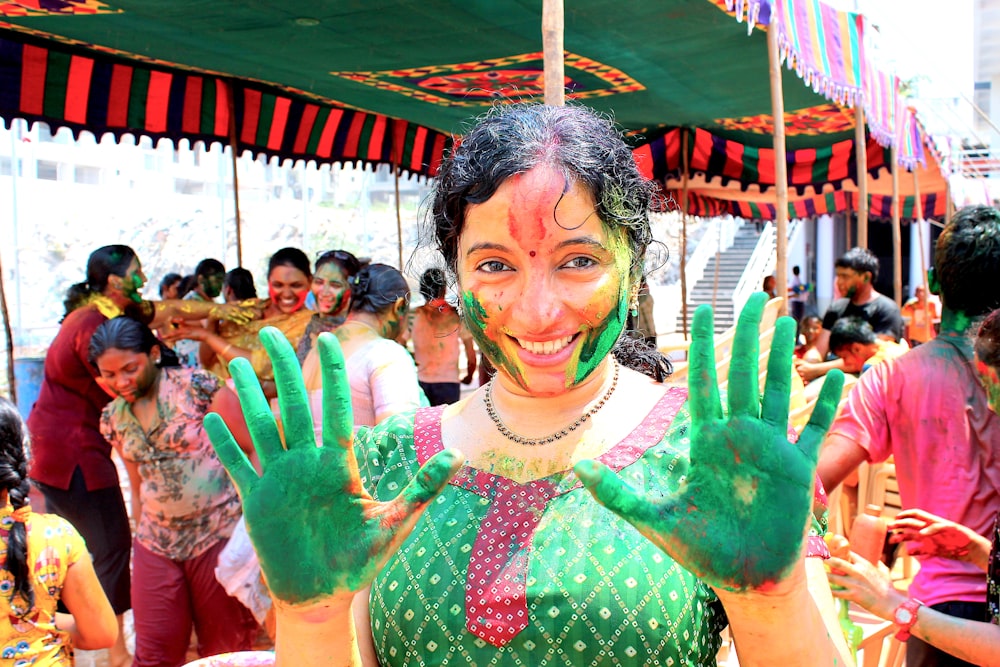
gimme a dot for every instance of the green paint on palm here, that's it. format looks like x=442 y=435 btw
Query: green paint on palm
x=738 y=519
x=316 y=532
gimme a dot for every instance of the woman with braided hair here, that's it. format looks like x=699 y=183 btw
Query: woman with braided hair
x=44 y=561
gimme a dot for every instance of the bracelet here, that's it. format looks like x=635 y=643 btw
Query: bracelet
x=226 y=349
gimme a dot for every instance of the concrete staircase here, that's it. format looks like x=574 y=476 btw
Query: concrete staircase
x=732 y=262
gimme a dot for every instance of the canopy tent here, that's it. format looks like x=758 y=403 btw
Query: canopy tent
x=379 y=81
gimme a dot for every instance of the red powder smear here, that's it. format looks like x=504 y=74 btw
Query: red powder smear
x=532 y=205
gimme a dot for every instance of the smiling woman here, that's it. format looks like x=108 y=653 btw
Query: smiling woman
x=514 y=557
x=288 y=281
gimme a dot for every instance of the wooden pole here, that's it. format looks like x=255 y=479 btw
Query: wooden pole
x=918 y=209
x=684 y=231
x=847 y=222
x=948 y=203
x=897 y=243
x=233 y=147
x=861 y=158
x=552 y=43
x=399 y=217
x=780 y=166
x=11 y=379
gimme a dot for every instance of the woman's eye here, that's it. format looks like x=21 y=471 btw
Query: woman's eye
x=580 y=263
x=493 y=266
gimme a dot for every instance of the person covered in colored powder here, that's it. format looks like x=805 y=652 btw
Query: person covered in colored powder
x=71 y=461
x=919 y=315
x=44 y=561
x=289 y=277
x=332 y=290
x=925 y=534
x=381 y=373
x=479 y=526
x=810 y=328
x=209 y=277
x=438 y=335
x=184 y=503
x=853 y=340
x=856 y=271
x=929 y=410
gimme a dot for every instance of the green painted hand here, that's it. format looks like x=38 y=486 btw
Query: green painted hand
x=317 y=533
x=739 y=519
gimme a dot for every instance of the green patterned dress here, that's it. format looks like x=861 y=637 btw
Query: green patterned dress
x=502 y=573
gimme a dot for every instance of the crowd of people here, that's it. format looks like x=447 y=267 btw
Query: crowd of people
x=576 y=503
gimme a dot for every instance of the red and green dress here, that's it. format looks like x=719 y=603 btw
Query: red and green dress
x=502 y=573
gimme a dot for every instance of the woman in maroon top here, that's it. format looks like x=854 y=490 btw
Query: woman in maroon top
x=71 y=462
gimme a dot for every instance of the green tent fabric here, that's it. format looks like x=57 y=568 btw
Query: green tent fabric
x=376 y=81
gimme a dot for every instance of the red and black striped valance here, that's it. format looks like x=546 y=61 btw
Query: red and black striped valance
x=729 y=161
x=879 y=206
x=82 y=89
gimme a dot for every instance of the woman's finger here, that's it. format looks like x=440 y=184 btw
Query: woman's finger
x=338 y=415
x=703 y=386
x=778 y=389
x=744 y=385
x=260 y=420
x=822 y=415
x=293 y=401
x=611 y=491
x=232 y=457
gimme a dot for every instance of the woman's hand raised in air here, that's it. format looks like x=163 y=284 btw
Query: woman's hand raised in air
x=317 y=532
x=739 y=519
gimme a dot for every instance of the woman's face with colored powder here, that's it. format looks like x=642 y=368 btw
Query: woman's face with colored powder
x=544 y=283
x=288 y=288
x=132 y=281
x=330 y=287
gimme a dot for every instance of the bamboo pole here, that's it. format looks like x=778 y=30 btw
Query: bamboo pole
x=399 y=217
x=552 y=43
x=233 y=146
x=847 y=222
x=897 y=243
x=718 y=257
x=11 y=379
x=861 y=159
x=780 y=167
x=918 y=208
x=684 y=231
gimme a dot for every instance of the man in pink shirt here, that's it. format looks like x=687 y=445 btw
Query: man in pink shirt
x=930 y=412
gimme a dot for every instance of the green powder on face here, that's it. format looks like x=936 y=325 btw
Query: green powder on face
x=476 y=319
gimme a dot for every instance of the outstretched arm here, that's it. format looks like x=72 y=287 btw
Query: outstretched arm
x=327 y=538
x=739 y=520
x=861 y=582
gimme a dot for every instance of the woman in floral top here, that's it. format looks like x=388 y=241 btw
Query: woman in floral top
x=185 y=504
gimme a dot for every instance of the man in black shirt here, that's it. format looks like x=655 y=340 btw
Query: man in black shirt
x=856 y=272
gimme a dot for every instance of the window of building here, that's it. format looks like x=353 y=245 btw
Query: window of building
x=48 y=170
x=87 y=175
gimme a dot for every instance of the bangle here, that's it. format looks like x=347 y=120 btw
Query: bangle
x=226 y=349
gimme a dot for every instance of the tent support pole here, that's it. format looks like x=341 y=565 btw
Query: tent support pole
x=11 y=379
x=399 y=216
x=847 y=221
x=897 y=243
x=861 y=160
x=918 y=208
x=552 y=43
x=684 y=231
x=236 y=179
x=780 y=166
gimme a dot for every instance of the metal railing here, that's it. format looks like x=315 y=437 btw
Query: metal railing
x=762 y=263
x=719 y=237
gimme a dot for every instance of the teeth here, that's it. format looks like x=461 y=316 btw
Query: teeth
x=548 y=347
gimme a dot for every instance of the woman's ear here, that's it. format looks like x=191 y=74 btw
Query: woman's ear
x=156 y=355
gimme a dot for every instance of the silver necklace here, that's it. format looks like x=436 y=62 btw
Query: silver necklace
x=562 y=433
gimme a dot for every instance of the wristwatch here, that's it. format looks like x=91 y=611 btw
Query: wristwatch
x=905 y=616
